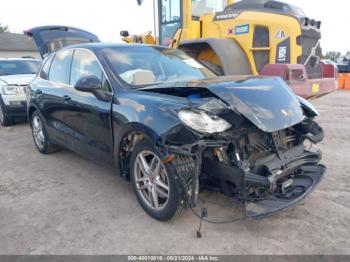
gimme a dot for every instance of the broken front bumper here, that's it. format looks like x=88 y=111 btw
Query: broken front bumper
x=307 y=181
x=304 y=182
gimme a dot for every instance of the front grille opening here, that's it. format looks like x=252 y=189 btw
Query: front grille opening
x=296 y=75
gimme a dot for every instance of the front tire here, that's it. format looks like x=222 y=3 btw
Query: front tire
x=40 y=136
x=5 y=119
x=154 y=182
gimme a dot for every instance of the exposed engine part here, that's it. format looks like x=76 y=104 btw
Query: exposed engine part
x=250 y=167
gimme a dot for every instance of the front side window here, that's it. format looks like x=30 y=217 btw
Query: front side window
x=147 y=65
x=60 y=67
x=19 y=67
x=84 y=64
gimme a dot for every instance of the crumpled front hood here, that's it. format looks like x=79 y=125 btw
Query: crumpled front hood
x=17 y=79
x=266 y=102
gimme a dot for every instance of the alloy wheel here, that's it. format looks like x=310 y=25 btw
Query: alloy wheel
x=151 y=180
x=38 y=132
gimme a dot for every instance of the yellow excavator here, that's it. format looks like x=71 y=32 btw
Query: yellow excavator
x=245 y=37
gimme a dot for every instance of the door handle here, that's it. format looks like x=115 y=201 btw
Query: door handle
x=66 y=97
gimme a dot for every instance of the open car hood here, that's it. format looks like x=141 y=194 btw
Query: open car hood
x=52 y=38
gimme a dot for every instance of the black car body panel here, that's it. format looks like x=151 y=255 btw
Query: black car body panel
x=257 y=160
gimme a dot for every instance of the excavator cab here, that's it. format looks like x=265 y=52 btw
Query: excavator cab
x=170 y=20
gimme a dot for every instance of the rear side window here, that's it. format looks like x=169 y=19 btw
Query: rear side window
x=60 y=68
x=84 y=64
x=44 y=73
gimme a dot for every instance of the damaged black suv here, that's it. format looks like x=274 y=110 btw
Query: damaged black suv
x=172 y=127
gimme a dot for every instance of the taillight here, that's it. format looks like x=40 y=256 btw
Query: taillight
x=329 y=71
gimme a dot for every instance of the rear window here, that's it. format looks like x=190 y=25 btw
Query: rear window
x=19 y=67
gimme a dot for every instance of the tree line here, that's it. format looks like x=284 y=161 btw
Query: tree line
x=336 y=56
x=4 y=28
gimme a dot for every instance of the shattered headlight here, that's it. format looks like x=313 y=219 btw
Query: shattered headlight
x=202 y=122
x=10 y=90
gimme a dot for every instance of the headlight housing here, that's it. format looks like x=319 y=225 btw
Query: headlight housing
x=202 y=122
x=10 y=90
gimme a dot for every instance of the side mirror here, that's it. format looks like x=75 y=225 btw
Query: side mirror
x=93 y=85
x=124 y=33
x=88 y=84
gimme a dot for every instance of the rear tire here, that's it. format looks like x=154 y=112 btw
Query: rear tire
x=154 y=182
x=5 y=119
x=40 y=136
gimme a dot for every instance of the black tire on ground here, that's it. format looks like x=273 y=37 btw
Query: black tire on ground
x=5 y=119
x=46 y=146
x=175 y=195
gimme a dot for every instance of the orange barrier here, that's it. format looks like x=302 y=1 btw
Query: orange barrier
x=341 y=81
x=344 y=81
x=347 y=82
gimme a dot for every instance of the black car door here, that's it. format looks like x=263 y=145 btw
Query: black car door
x=88 y=116
x=51 y=90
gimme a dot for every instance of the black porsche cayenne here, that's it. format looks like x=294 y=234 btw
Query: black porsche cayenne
x=171 y=126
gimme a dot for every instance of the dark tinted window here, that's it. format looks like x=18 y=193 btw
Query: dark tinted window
x=44 y=74
x=60 y=68
x=19 y=67
x=84 y=64
x=261 y=37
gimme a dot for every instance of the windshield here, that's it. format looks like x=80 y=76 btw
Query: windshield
x=19 y=67
x=203 y=7
x=146 y=65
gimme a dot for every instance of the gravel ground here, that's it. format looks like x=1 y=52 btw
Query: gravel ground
x=63 y=204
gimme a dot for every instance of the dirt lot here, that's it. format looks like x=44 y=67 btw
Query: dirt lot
x=63 y=204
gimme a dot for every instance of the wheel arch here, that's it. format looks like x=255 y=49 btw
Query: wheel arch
x=232 y=58
x=126 y=139
x=30 y=111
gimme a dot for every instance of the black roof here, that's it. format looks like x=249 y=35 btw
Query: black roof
x=16 y=42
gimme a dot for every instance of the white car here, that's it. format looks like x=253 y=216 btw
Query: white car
x=15 y=75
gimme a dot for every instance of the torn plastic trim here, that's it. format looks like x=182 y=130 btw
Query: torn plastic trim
x=195 y=151
x=315 y=134
x=309 y=178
